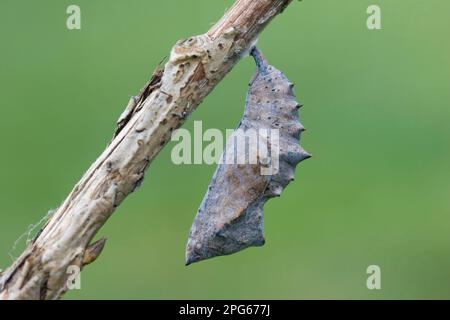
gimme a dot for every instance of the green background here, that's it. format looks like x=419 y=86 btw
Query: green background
x=377 y=111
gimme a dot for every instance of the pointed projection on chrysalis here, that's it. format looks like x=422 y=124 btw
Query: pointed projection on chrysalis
x=230 y=217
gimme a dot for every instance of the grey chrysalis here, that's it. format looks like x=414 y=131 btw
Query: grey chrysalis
x=230 y=217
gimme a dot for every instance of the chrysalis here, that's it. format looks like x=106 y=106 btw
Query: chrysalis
x=230 y=217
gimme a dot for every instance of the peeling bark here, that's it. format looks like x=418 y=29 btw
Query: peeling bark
x=195 y=66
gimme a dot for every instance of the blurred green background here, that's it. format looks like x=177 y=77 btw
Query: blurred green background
x=377 y=112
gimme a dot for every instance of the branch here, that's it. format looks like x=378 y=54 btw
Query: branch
x=196 y=65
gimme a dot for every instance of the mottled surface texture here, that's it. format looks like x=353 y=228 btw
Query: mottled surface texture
x=230 y=217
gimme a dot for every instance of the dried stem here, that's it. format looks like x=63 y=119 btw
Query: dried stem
x=196 y=65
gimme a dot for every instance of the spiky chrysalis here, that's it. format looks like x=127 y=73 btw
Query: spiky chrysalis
x=230 y=217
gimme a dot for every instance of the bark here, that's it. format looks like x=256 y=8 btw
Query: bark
x=195 y=66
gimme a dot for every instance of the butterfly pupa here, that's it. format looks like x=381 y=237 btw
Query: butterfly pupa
x=230 y=217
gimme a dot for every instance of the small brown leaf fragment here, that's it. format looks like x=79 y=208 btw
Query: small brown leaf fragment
x=93 y=251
